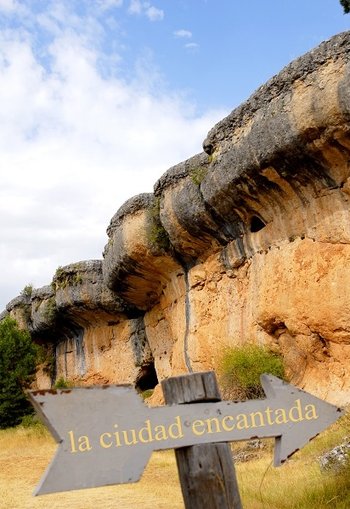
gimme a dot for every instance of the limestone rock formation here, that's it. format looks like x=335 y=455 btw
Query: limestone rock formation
x=247 y=241
x=91 y=334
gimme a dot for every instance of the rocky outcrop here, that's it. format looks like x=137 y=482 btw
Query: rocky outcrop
x=91 y=335
x=247 y=241
x=137 y=263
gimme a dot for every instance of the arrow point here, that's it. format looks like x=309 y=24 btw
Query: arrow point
x=320 y=415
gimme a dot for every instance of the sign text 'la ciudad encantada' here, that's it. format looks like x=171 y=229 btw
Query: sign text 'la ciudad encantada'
x=107 y=434
x=176 y=430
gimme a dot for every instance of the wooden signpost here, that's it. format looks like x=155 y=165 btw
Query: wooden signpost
x=106 y=434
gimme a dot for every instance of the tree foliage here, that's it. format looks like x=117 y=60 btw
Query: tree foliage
x=346 y=5
x=18 y=359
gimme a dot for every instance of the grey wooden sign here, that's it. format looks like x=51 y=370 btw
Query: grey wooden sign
x=106 y=434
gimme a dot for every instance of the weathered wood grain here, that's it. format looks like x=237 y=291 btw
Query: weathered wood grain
x=206 y=471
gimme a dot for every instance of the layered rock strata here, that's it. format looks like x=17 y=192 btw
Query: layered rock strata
x=91 y=335
x=247 y=241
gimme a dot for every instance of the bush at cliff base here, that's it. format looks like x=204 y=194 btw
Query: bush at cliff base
x=18 y=359
x=240 y=369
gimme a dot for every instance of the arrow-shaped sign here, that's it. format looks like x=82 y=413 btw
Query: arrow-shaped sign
x=106 y=434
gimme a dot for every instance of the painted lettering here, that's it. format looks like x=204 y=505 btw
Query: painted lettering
x=103 y=443
x=127 y=440
x=84 y=444
x=225 y=426
x=175 y=429
x=215 y=421
x=117 y=437
x=280 y=416
x=72 y=442
x=160 y=433
x=259 y=415
x=295 y=413
x=268 y=412
x=242 y=421
x=310 y=412
x=145 y=433
x=198 y=424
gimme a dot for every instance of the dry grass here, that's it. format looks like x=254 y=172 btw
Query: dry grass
x=299 y=484
x=25 y=453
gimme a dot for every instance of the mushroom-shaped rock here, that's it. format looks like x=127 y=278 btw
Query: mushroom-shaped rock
x=287 y=144
x=19 y=308
x=43 y=309
x=79 y=288
x=183 y=212
x=138 y=257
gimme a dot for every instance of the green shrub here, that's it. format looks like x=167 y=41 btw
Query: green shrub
x=62 y=383
x=156 y=232
x=147 y=393
x=64 y=277
x=240 y=369
x=31 y=421
x=27 y=291
x=50 y=310
x=18 y=360
x=197 y=175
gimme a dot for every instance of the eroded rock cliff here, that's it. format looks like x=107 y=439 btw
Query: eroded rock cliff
x=247 y=241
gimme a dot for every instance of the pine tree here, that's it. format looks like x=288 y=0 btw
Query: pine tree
x=18 y=359
x=346 y=5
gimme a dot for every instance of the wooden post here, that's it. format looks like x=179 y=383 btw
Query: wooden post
x=206 y=471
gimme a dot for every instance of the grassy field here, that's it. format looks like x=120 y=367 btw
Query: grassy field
x=25 y=453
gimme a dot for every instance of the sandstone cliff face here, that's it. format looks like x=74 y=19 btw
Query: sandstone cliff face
x=247 y=241
x=90 y=334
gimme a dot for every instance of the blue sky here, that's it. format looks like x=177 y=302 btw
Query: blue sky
x=232 y=46
x=100 y=97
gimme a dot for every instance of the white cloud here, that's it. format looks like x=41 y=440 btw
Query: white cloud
x=192 y=46
x=185 y=34
x=74 y=145
x=135 y=7
x=109 y=4
x=8 y=5
x=154 y=14
x=145 y=8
